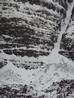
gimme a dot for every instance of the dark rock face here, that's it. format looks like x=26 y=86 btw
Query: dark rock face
x=64 y=89
x=16 y=31
x=9 y=92
x=33 y=30
x=67 y=42
x=68 y=45
x=29 y=24
x=30 y=27
x=22 y=52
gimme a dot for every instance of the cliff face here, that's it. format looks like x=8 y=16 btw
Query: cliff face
x=31 y=25
x=67 y=42
x=30 y=30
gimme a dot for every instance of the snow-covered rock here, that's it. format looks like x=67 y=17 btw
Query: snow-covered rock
x=33 y=34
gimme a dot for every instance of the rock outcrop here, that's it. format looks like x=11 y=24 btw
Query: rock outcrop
x=67 y=41
x=29 y=28
x=29 y=31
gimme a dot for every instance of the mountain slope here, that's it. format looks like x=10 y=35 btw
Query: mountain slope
x=36 y=47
